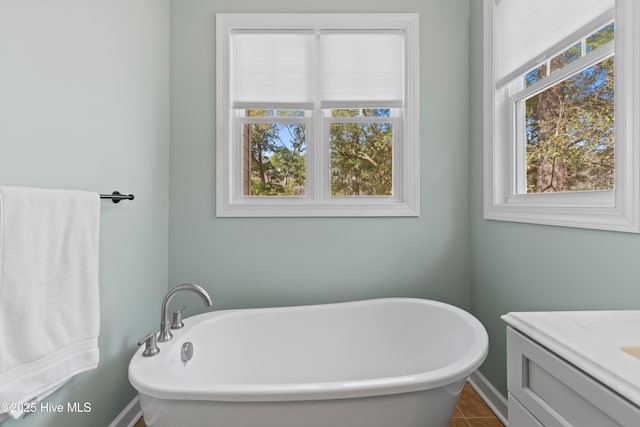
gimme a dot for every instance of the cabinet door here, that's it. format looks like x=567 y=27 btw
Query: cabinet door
x=557 y=393
x=519 y=416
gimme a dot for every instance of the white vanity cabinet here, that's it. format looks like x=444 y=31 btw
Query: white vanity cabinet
x=545 y=390
x=554 y=382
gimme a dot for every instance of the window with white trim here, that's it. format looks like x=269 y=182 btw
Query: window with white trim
x=317 y=115
x=561 y=103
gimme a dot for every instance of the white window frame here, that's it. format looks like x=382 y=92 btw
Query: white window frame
x=616 y=210
x=317 y=201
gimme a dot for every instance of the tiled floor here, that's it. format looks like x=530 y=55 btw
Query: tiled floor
x=471 y=411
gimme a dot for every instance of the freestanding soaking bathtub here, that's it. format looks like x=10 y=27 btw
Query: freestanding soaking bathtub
x=395 y=362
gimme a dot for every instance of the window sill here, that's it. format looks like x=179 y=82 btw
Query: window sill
x=594 y=217
x=301 y=207
x=577 y=199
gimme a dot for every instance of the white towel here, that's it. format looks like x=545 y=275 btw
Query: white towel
x=49 y=307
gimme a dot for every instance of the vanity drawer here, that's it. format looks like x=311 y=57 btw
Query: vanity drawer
x=557 y=394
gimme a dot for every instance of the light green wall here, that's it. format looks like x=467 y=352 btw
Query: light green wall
x=523 y=267
x=280 y=261
x=84 y=104
x=84 y=92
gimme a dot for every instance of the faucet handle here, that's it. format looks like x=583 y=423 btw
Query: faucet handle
x=151 y=348
x=177 y=319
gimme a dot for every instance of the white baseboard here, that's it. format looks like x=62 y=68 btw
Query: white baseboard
x=492 y=397
x=129 y=415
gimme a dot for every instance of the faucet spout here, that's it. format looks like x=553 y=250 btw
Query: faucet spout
x=165 y=333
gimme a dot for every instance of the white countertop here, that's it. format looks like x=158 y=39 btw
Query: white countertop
x=590 y=340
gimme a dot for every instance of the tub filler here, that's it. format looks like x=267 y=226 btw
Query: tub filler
x=395 y=362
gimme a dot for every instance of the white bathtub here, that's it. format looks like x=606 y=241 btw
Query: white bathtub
x=396 y=362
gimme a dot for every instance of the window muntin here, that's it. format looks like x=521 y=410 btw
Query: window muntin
x=599 y=38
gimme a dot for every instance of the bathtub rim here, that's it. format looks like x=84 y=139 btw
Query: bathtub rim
x=458 y=370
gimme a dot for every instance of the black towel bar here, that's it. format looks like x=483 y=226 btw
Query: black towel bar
x=116 y=196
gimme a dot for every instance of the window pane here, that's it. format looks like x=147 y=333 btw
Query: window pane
x=361 y=112
x=570 y=133
x=290 y=113
x=361 y=159
x=274 y=113
x=376 y=112
x=345 y=112
x=536 y=75
x=274 y=159
x=601 y=37
x=259 y=113
x=566 y=57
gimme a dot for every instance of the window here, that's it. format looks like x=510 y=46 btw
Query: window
x=561 y=132
x=317 y=115
x=565 y=119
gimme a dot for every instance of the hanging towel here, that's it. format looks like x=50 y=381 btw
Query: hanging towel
x=49 y=308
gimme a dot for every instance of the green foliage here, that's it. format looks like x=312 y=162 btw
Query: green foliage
x=361 y=159
x=277 y=157
x=601 y=37
x=361 y=154
x=570 y=130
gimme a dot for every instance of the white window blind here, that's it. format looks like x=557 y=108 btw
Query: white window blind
x=526 y=30
x=361 y=69
x=349 y=68
x=272 y=69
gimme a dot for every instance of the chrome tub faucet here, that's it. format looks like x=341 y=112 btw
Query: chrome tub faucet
x=165 y=323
